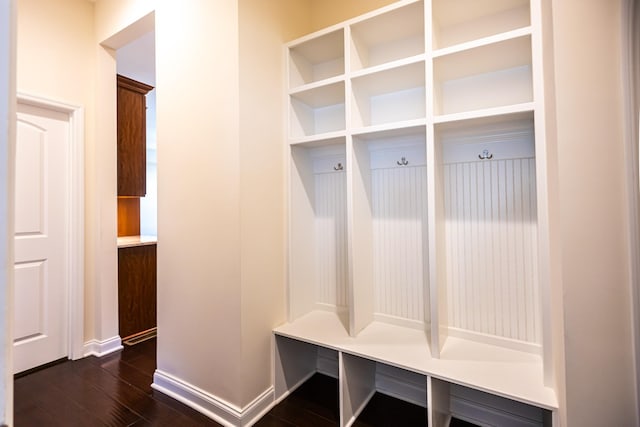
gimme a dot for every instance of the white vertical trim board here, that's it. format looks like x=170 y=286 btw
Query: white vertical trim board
x=7 y=160
x=631 y=80
x=74 y=217
x=212 y=406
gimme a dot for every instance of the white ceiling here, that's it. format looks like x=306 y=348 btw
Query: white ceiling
x=137 y=60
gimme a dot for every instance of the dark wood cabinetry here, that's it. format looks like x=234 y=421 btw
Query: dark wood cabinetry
x=136 y=289
x=132 y=155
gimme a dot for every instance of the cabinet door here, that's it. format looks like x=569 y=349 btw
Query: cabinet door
x=136 y=289
x=132 y=148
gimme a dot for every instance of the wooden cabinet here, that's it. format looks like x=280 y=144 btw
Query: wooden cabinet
x=132 y=137
x=136 y=289
x=417 y=219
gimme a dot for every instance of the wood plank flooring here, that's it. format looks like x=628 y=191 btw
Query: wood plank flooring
x=115 y=390
x=315 y=403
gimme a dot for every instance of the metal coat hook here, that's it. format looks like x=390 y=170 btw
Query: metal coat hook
x=338 y=167
x=485 y=155
x=403 y=162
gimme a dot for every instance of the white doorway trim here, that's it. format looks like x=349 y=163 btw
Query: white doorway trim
x=630 y=26
x=7 y=156
x=74 y=217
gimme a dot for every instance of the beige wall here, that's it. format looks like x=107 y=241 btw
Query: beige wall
x=221 y=294
x=199 y=313
x=593 y=207
x=220 y=117
x=115 y=17
x=56 y=60
x=264 y=28
x=329 y=12
x=55 y=49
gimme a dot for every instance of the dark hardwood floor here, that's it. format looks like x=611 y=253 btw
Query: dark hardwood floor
x=115 y=390
x=315 y=403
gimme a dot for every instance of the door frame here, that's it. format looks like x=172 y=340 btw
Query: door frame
x=7 y=155
x=74 y=218
x=630 y=20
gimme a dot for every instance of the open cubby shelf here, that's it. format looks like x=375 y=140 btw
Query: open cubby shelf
x=364 y=366
x=492 y=75
x=316 y=59
x=317 y=111
x=415 y=201
x=392 y=95
x=388 y=37
x=459 y=21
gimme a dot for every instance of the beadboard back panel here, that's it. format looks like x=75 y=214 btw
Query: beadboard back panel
x=331 y=233
x=490 y=210
x=399 y=210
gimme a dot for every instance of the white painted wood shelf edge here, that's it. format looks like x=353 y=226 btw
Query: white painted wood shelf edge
x=485 y=113
x=320 y=84
x=502 y=372
x=327 y=138
x=391 y=130
x=485 y=41
x=388 y=66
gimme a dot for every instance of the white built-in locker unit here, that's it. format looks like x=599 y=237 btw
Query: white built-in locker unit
x=418 y=238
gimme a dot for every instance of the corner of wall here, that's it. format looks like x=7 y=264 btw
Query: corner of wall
x=7 y=153
x=630 y=24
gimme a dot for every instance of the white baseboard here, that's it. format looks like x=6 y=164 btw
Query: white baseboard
x=401 y=384
x=212 y=406
x=102 y=348
x=327 y=362
x=485 y=409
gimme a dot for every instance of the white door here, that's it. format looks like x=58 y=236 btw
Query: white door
x=41 y=249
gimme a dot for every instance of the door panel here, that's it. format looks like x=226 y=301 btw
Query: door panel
x=29 y=292
x=41 y=258
x=30 y=180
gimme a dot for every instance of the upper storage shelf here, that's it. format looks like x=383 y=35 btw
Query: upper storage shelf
x=460 y=21
x=393 y=95
x=395 y=35
x=489 y=76
x=317 y=111
x=316 y=59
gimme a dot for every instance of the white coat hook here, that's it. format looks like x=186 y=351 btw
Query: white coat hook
x=338 y=167
x=485 y=155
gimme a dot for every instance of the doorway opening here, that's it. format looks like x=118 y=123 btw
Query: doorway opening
x=137 y=189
